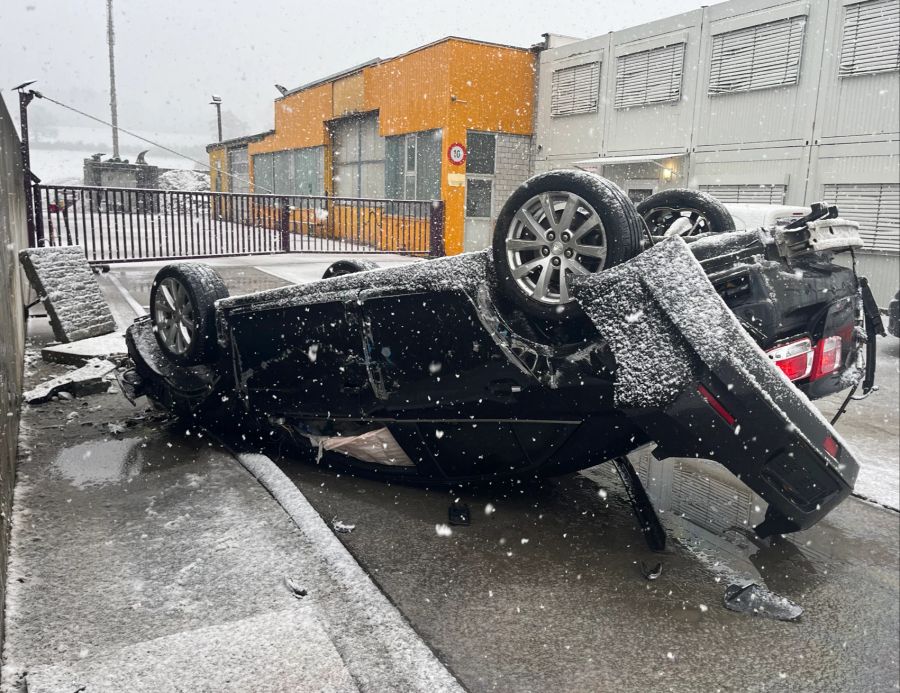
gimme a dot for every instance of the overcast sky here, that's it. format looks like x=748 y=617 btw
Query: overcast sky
x=172 y=54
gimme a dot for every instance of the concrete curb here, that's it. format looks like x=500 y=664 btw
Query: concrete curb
x=379 y=647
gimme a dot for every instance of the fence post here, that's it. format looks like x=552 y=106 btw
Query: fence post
x=37 y=211
x=436 y=229
x=285 y=225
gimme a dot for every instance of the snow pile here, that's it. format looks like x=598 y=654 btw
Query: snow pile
x=184 y=179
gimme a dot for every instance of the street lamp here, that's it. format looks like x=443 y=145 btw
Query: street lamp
x=217 y=102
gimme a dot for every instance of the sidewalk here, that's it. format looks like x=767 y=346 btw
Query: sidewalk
x=145 y=557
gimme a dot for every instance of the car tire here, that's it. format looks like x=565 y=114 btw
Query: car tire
x=182 y=300
x=352 y=266
x=683 y=212
x=545 y=223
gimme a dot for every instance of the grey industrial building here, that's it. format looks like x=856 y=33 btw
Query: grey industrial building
x=752 y=100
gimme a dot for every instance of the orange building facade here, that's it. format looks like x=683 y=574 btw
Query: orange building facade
x=391 y=129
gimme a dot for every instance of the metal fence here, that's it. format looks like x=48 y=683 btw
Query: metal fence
x=127 y=224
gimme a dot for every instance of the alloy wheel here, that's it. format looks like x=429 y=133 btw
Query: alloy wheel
x=174 y=316
x=553 y=237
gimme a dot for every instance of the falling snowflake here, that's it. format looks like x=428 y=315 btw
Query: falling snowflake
x=443 y=530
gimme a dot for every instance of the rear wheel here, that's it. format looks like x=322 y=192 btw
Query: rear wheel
x=181 y=309
x=557 y=226
x=682 y=212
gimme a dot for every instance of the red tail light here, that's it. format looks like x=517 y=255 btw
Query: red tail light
x=717 y=405
x=795 y=359
x=831 y=446
x=828 y=356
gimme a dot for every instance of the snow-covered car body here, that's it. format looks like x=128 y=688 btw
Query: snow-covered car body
x=472 y=389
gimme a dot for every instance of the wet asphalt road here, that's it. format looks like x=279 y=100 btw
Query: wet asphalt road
x=547 y=593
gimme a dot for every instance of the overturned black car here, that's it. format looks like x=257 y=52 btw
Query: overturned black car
x=589 y=329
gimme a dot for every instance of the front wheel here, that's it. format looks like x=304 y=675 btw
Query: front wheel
x=181 y=310
x=557 y=226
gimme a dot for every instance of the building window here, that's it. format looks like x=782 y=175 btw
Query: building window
x=649 y=77
x=746 y=194
x=871 y=41
x=263 y=174
x=309 y=171
x=480 y=167
x=875 y=207
x=410 y=168
x=284 y=172
x=413 y=166
x=238 y=171
x=575 y=90
x=758 y=57
x=482 y=148
x=478 y=197
x=359 y=153
x=638 y=195
x=290 y=172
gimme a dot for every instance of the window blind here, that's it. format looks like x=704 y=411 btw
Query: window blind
x=871 y=40
x=648 y=77
x=746 y=194
x=757 y=57
x=874 y=206
x=575 y=89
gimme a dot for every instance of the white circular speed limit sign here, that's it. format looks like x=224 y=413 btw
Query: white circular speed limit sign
x=456 y=152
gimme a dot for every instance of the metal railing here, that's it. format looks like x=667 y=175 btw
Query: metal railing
x=128 y=224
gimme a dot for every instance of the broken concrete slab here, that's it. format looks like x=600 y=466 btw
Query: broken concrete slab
x=87 y=380
x=71 y=296
x=108 y=346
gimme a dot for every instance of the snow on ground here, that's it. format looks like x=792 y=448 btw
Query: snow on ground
x=872 y=428
x=194 y=181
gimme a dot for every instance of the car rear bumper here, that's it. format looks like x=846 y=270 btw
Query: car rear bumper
x=698 y=385
x=782 y=456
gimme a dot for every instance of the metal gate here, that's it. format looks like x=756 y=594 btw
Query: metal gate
x=128 y=225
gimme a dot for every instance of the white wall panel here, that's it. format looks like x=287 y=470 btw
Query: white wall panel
x=775 y=116
x=656 y=127
x=571 y=136
x=862 y=107
x=826 y=127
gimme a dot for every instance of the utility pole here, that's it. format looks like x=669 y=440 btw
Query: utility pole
x=25 y=97
x=111 y=40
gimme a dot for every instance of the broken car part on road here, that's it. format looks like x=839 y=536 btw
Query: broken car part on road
x=538 y=357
